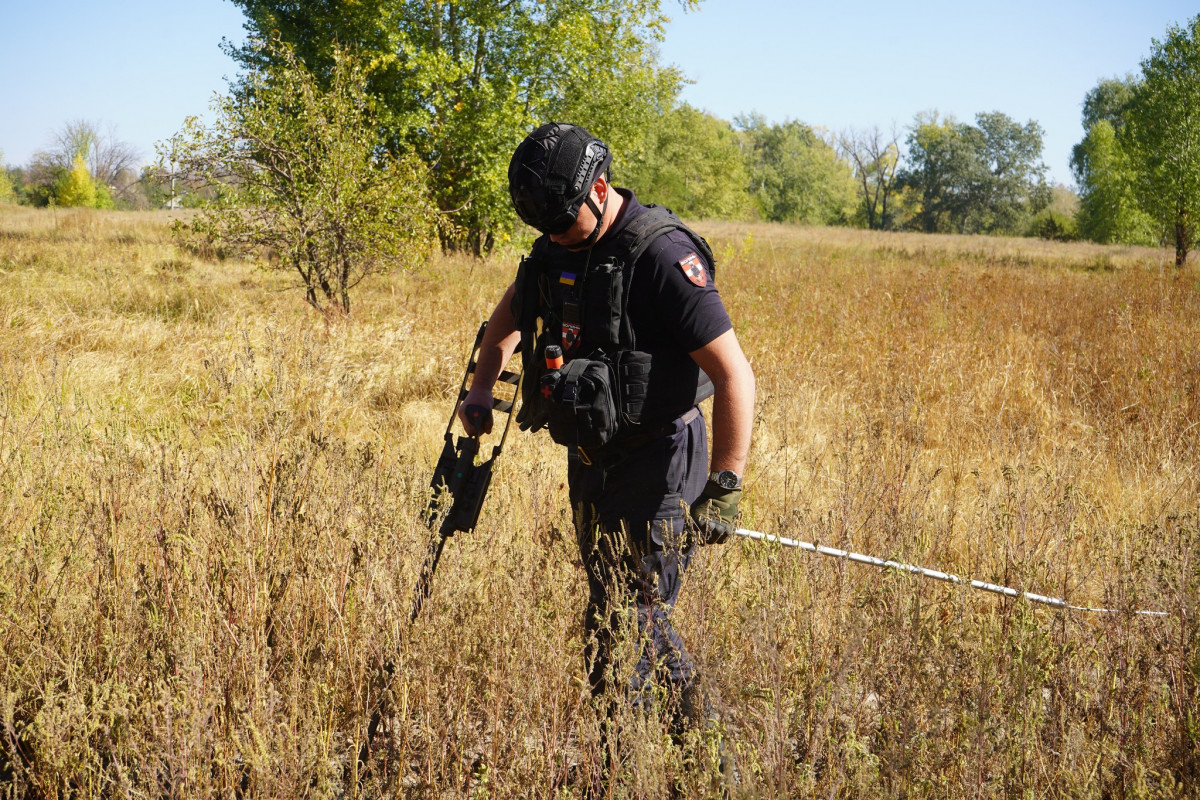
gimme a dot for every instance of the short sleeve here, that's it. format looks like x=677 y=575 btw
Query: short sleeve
x=678 y=284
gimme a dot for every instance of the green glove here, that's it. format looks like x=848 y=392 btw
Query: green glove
x=716 y=512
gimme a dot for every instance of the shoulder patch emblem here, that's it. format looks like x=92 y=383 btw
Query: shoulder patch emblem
x=694 y=269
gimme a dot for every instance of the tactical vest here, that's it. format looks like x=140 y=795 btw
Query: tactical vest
x=609 y=391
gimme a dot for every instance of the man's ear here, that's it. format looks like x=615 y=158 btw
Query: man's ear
x=600 y=188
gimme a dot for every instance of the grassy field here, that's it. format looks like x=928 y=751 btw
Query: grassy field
x=209 y=505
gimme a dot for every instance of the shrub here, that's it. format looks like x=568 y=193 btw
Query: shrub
x=301 y=173
x=76 y=187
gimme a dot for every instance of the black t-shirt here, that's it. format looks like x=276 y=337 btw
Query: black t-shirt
x=673 y=300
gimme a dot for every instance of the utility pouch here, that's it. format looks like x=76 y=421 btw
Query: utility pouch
x=633 y=370
x=655 y=390
x=583 y=410
x=603 y=302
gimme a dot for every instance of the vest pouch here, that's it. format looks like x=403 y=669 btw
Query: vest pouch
x=582 y=404
x=633 y=369
x=658 y=388
x=602 y=302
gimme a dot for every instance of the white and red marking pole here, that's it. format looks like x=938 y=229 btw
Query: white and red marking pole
x=937 y=575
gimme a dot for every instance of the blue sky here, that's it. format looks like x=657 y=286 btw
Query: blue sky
x=840 y=64
x=137 y=65
x=142 y=66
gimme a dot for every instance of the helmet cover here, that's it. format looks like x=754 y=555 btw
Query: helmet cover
x=552 y=172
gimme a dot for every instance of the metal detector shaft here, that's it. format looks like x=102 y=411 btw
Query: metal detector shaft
x=937 y=575
x=425 y=581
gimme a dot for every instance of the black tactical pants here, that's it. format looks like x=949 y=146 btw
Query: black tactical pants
x=630 y=520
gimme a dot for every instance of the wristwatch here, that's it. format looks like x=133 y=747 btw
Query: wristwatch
x=726 y=479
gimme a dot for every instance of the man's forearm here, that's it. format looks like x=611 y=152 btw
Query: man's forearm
x=500 y=341
x=732 y=422
x=733 y=403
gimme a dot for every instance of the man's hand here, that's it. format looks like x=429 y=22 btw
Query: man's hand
x=716 y=512
x=475 y=413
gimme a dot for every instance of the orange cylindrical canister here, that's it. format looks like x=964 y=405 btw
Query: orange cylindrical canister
x=554 y=357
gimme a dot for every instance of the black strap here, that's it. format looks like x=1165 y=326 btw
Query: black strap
x=570 y=380
x=641 y=231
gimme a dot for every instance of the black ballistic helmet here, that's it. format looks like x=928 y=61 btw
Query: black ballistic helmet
x=552 y=172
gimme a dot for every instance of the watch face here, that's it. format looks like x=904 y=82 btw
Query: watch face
x=728 y=479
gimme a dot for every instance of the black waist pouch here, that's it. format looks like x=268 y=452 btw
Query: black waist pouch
x=582 y=406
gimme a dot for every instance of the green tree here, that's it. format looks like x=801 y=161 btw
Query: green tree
x=1109 y=211
x=692 y=163
x=300 y=172
x=1015 y=188
x=940 y=173
x=1108 y=101
x=1162 y=135
x=983 y=178
x=795 y=176
x=76 y=187
x=104 y=198
x=462 y=81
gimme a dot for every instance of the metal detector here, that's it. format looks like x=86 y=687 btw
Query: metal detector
x=460 y=484
x=457 y=491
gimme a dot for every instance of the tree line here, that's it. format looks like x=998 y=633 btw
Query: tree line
x=439 y=94
x=84 y=165
x=955 y=177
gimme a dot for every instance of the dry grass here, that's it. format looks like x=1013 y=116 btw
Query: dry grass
x=209 y=502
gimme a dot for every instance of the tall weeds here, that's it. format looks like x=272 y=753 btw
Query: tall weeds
x=209 y=502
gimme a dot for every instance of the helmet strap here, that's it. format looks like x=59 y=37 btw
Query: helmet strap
x=591 y=240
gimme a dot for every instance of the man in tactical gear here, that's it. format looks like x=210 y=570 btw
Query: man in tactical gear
x=622 y=333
